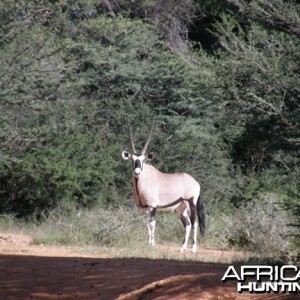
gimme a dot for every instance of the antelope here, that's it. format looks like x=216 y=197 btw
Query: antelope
x=156 y=191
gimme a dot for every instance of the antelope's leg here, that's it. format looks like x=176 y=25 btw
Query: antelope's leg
x=194 y=227
x=183 y=212
x=151 y=226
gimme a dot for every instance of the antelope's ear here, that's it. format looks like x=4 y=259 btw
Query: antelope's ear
x=150 y=156
x=126 y=155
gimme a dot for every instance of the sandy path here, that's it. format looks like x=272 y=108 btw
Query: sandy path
x=40 y=272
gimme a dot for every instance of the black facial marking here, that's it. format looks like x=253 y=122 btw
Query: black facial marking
x=137 y=164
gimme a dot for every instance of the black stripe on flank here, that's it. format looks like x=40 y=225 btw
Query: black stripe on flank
x=171 y=204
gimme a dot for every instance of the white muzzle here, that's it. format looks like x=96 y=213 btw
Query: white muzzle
x=137 y=171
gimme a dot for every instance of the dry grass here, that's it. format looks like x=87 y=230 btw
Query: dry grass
x=121 y=232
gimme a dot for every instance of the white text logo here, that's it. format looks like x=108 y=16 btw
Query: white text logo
x=265 y=279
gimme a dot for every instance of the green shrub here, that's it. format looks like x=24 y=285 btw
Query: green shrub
x=105 y=227
x=114 y=226
x=260 y=226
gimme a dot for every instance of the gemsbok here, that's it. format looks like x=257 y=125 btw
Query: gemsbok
x=154 y=190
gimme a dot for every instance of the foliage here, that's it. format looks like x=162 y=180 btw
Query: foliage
x=113 y=226
x=109 y=227
x=263 y=89
x=226 y=105
x=259 y=70
x=64 y=111
x=260 y=226
x=169 y=17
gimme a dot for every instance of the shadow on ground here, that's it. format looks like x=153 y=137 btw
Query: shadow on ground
x=34 y=277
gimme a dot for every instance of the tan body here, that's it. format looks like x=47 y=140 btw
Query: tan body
x=154 y=190
x=163 y=191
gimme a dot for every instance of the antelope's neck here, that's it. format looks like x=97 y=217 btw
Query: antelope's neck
x=136 y=194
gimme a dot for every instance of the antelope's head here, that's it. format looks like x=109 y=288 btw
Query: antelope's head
x=138 y=158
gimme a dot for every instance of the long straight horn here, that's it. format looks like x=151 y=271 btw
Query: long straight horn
x=130 y=137
x=148 y=140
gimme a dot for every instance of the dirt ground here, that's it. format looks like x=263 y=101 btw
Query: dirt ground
x=39 y=272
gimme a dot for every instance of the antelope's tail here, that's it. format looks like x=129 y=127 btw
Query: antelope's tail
x=201 y=215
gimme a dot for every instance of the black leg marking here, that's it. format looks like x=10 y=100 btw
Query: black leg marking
x=193 y=214
x=185 y=220
x=153 y=214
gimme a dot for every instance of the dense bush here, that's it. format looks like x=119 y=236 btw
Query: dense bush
x=109 y=227
x=261 y=226
x=260 y=75
x=64 y=111
x=226 y=105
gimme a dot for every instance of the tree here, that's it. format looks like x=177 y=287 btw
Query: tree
x=259 y=70
x=70 y=78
